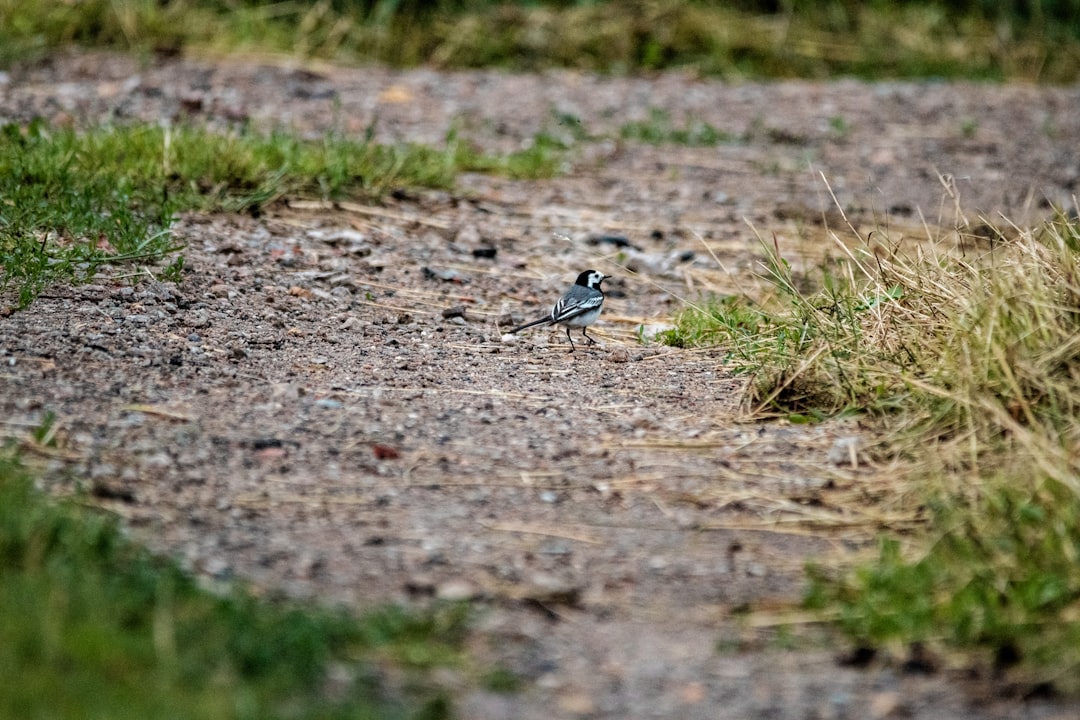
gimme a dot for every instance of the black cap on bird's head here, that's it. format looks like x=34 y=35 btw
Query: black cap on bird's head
x=591 y=279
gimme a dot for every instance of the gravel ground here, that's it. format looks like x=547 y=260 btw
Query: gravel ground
x=307 y=410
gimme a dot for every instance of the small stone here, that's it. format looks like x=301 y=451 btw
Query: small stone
x=198 y=319
x=456 y=590
x=546 y=588
x=457 y=311
x=385 y=452
x=467 y=235
x=418 y=584
x=446 y=275
x=218 y=568
x=846 y=450
x=884 y=704
x=577 y=703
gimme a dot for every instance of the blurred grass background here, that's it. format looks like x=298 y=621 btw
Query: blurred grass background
x=1037 y=40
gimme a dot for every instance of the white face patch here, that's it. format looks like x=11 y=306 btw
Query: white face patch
x=595 y=279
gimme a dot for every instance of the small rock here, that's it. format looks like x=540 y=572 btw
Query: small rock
x=420 y=585
x=577 y=703
x=619 y=355
x=198 y=319
x=457 y=311
x=109 y=490
x=446 y=275
x=846 y=450
x=756 y=569
x=546 y=588
x=467 y=235
x=884 y=704
x=191 y=103
x=619 y=241
x=385 y=452
x=338 y=236
x=456 y=590
x=218 y=568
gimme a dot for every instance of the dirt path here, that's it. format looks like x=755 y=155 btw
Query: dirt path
x=300 y=413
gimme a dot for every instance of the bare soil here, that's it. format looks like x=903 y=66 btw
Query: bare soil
x=301 y=414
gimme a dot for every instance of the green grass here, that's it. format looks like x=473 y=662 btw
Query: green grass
x=998 y=580
x=71 y=202
x=1025 y=39
x=94 y=626
x=545 y=155
x=659 y=130
x=964 y=354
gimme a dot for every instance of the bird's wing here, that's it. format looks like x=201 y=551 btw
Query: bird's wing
x=569 y=308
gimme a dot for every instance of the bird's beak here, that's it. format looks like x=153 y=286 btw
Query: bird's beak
x=607 y=277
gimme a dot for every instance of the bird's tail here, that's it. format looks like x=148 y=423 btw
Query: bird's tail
x=529 y=325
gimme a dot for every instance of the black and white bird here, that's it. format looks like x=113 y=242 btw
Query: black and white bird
x=579 y=307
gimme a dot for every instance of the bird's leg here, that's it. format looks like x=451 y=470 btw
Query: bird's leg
x=570 y=338
x=588 y=337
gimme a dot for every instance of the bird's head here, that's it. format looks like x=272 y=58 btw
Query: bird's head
x=591 y=279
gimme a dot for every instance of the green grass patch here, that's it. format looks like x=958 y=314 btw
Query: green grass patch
x=998 y=579
x=1028 y=39
x=544 y=155
x=964 y=351
x=94 y=626
x=71 y=202
x=659 y=130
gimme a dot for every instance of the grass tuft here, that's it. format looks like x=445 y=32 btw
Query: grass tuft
x=659 y=130
x=965 y=350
